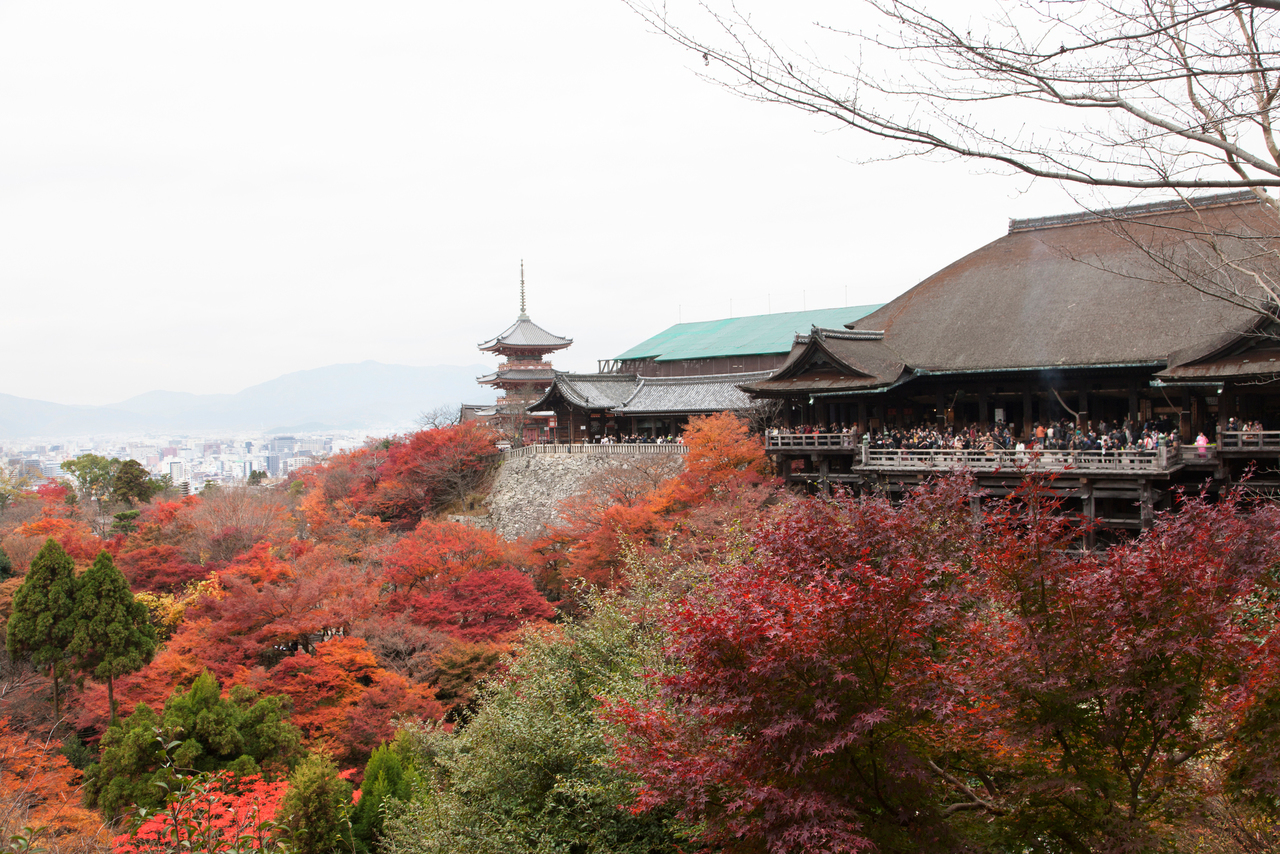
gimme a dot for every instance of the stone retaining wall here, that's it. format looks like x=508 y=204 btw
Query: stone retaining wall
x=527 y=492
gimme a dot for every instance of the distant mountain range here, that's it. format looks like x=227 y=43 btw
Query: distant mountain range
x=367 y=395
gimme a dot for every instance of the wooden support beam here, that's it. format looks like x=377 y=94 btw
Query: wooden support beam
x=1089 y=508
x=1027 y=422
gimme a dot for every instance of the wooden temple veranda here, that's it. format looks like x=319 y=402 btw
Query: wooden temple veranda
x=1084 y=318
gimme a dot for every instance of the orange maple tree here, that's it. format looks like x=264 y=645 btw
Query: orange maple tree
x=40 y=790
x=342 y=700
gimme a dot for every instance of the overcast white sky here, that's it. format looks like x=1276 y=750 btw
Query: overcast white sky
x=204 y=196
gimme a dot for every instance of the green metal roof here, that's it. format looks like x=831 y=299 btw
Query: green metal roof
x=742 y=336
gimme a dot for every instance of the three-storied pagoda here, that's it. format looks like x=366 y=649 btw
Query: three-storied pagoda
x=524 y=376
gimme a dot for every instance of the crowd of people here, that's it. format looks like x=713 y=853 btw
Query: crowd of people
x=635 y=439
x=1056 y=436
x=1061 y=435
x=1234 y=425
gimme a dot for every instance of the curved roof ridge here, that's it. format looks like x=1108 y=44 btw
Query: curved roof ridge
x=707 y=378
x=1132 y=211
x=525 y=333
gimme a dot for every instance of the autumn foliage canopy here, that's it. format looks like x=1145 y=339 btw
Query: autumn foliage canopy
x=879 y=677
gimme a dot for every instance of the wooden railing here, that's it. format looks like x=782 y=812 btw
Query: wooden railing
x=797 y=441
x=1197 y=454
x=929 y=459
x=1247 y=440
x=1110 y=462
x=596 y=450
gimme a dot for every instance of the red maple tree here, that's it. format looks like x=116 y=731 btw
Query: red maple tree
x=907 y=677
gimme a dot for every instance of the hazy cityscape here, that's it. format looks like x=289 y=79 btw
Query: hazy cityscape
x=196 y=460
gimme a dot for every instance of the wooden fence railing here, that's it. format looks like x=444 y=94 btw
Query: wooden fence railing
x=1246 y=440
x=798 y=441
x=1111 y=462
x=929 y=459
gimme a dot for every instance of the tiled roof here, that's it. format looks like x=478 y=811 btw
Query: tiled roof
x=525 y=333
x=590 y=391
x=716 y=393
x=519 y=375
x=830 y=360
x=740 y=336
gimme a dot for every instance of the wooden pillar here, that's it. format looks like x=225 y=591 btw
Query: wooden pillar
x=1146 y=502
x=1133 y=401
x=1224 y=403
x=1083 y=408
x=862 y=415
x=984 y=414
x=1089 y=508
x=824 y=471
x=940 y=407
x=1027 y=428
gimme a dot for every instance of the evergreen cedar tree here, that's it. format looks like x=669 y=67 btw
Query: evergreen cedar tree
x=112 y=633
x=41 y=624
x=910 y=678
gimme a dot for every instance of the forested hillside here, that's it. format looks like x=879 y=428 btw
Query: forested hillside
x=701 y=663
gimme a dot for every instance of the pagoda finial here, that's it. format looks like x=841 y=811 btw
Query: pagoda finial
x=522 y=313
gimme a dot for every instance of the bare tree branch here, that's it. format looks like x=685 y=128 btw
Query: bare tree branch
x=1173 y=95
x=1145 y=95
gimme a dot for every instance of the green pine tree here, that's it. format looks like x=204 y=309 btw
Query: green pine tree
x=6 y=565
x=43 y=618
x=113 y=632
x=133 y=484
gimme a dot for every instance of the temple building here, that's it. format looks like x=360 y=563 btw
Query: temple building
x=522 y=378
x=1154 y=317
x=655 y=387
